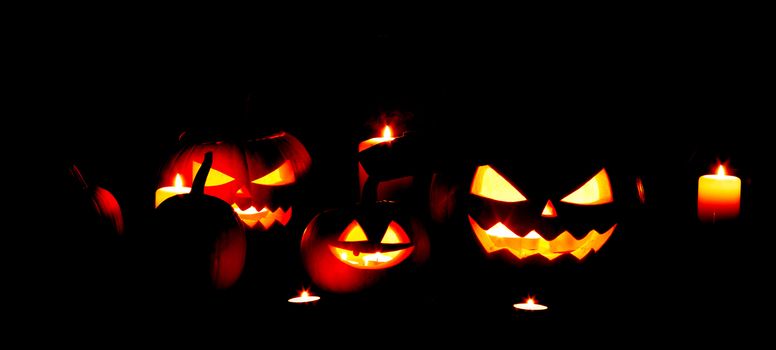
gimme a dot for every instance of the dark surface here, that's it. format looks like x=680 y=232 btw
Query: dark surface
x=643 y=99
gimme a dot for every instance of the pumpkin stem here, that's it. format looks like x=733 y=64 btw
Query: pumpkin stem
x=198 y=186
x=76 y=174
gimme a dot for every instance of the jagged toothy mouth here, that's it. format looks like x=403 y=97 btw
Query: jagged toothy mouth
x=501 y=237
x=251 y=216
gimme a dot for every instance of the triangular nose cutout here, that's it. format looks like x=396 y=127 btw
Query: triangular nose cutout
x=549 y=210
x=243 y=193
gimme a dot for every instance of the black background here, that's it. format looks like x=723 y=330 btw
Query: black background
x=665 y=98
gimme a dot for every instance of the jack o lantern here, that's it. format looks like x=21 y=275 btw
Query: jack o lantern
x=253 y=176
x=346 y=250
x=547 y=218
x=200 y=241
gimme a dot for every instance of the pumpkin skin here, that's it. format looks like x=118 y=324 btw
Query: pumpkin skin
x=348 y=250
x=199 y=240
x=254 y=177
x=97 y=205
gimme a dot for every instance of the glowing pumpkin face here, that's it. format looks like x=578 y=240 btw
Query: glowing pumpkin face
x=354 y=248
x=539 y=218
x=252 y=176
x=350 y=249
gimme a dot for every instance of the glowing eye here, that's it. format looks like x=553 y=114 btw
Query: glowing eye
x=283 y=175
x=395 y=234
x=353 y=233
x=595 y=191
x=490 y=184
x=214 y=177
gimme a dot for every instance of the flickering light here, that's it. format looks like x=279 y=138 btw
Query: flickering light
x=719 y=196
x=304 y=297
x=169 y=191
x=530 y=305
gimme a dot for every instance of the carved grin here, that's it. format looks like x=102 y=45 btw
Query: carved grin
x=365 y=255
x=266 y=217
x=501 y=237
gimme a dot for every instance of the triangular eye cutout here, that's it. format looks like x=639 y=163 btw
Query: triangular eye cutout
x=595 y=191
x=214 y=177
x=395 y=235
x=490 y=184
x=283 y=175
x=353 y=233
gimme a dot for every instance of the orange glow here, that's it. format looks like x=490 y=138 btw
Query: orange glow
x=304 y=297
x=386 y=136
x=490 y=184
x=501 y=237
x=549 y=210
x=283 y=175
x=214 y=177
x=370 y=261
x=719 y=196
x=595 y=191
x=353 y=233
x=640 y=189
x=168 y=191
x=266 y=217
x=394 y=235
x=530 y=305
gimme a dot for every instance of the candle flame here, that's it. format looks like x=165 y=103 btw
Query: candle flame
x=721 y=170
x=387 y=132
x=530 y=304
x=304 y=297
x=178 y=181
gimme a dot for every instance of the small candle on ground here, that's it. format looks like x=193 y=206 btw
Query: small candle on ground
x=304 y=297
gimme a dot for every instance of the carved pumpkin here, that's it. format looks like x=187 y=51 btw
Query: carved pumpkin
x=252 y=176
x=529 y=221
x=535 y=208
x=199 y=239
x=347 y=250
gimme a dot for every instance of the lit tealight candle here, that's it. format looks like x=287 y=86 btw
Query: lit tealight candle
x=169 y=191
x=530 y=305
x=387 y=136
x=719 y=196
x=304 y=297
x=364 y=145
